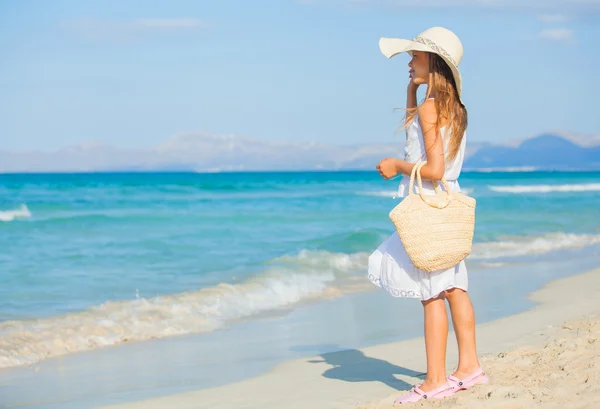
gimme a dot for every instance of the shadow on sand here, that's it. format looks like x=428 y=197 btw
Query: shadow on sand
x=354 y=366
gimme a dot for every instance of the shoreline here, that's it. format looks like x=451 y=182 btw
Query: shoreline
x=540 y=272
x=373 y=375
x=497 y=170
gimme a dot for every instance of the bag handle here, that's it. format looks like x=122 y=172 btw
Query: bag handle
x=411 y=185
x=416 y=171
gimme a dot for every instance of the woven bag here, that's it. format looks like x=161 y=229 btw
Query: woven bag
x=436 y=230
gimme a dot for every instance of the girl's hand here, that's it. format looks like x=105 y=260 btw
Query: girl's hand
x=387 y=168
x=412 y=85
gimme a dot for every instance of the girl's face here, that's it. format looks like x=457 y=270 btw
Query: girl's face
x=419 y=67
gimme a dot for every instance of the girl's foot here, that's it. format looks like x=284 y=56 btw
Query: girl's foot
x=432 y=384
x=463 y=372
x=461 y=382
x=416 y=394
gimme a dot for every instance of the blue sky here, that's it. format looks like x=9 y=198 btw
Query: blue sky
x=134 y=73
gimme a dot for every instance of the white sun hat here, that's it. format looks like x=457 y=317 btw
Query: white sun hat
x=438 y=40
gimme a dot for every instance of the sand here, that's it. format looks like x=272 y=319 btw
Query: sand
x=562 y=372
x=546 y=357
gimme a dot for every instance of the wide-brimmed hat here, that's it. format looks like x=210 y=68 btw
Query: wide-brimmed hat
x=438 y=40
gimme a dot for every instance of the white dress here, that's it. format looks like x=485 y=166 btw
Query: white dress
x=389 y=266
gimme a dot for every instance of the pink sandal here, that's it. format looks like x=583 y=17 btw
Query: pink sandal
x=478 y=377
x=417 y=394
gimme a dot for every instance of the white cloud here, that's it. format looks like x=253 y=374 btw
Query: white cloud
x=558 y=34
x=585 y=140
x=553 y=18
x=168 y=24
x=132 y=29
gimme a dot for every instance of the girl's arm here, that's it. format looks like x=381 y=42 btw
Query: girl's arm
x=411 y=95
x=434 y=149
x=398 y=166
x=435 y=167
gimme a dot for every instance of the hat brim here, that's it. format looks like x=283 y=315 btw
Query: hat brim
x=394 y=46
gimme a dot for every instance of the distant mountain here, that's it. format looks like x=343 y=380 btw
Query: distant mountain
x=583 y=140
x=202 y=152
x=549 y=152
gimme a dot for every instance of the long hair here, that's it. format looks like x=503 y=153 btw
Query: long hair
x=447 y=104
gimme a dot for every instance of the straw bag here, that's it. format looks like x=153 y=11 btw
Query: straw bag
x=436 y=230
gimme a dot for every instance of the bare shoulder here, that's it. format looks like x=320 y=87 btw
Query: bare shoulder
x=427 y=112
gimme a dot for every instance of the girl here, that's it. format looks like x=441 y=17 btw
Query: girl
x=435 y=133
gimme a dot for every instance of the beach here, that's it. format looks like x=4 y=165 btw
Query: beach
x=545 y=357
x=194 y=196
x=250 y=289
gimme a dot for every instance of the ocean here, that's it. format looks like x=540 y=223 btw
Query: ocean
x=95 y=260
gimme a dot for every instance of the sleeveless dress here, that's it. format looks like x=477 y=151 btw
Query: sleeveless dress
x=389 y=266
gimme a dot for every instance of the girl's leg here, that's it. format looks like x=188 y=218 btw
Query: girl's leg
x=436 y=337
x=463 y=318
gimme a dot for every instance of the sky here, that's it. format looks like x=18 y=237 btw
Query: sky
x=136 y=73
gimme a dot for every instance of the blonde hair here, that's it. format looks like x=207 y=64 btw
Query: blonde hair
x=447 y=104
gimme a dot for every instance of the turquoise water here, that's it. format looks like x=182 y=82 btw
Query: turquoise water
x=91 y=260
